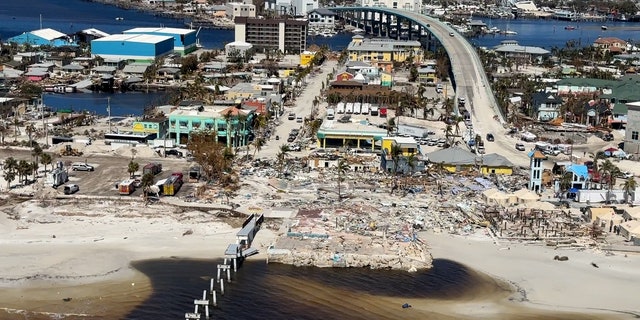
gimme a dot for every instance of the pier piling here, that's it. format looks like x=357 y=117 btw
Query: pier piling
x=222 y=287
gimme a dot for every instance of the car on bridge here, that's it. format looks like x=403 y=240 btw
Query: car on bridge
x=451 y=34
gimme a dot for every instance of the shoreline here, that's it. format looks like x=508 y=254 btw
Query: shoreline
x=545 y=284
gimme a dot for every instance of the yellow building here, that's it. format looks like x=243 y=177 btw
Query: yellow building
x=383 y=50
x=456 y=159
x=409 y=160
x=306 y=57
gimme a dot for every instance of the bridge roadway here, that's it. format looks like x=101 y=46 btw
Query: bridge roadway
x=470 y=81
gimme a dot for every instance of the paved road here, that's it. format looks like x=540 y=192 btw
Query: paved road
x=471 y=83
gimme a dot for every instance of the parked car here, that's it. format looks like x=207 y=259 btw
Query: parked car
x=520 y=146
x=277 y=137
x=292 y=116
x=626 y=175
x=291 y=139
x=174 y=152
x=71 y=189
x=490 y=137
x=299 y=119
x=81 y=167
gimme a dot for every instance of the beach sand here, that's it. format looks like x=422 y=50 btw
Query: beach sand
x=83 y=250
x=544 y=283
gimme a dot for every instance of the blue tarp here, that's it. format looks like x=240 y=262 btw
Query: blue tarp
x=573 y=190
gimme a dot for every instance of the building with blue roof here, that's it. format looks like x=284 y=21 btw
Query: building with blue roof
x=580 y=175
x=43 y=37
x=136 y=47
x=184 y=40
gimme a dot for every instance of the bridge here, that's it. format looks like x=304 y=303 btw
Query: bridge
x=469 y=78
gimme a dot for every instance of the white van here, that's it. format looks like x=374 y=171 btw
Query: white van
x=330 y=114
x=71 y=189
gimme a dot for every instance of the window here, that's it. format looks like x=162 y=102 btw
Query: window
x=634 y=135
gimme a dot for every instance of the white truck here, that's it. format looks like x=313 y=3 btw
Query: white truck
x=374 y=110
x=349 y=108
x=365 y=108
x=330 y=114
x=340 y=108
x=356 y=108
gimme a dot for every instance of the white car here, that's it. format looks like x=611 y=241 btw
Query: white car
x=626 y=175
x=81 y=167
x=71 y=189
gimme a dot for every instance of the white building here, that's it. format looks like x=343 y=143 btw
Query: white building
x=409 y=5
x=321 y=19
x=535 y=170
x=632 y=131
x=239 y=9
x=298 y=8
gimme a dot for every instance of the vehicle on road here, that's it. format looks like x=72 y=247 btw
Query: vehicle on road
x=71 y=189
x=291 y=139
x=174 y=152
x=277 y=137
x=292 y=116
x=625 y=175
x=520 y=146
x=299 y=119
x=451 y=34
x=81 y=167
x=490 y=137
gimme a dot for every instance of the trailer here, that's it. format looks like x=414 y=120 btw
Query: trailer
x=374 y=110
x=127 y=187
x=340 y=108
x=57 y=177
x=172 y=185
x=153 y=168
x=349 y=108
x=357 y=107
x=365 y=108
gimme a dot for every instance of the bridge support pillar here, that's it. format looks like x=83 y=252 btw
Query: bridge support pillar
x=398 y=28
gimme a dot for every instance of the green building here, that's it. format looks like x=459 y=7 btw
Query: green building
x=235 y=134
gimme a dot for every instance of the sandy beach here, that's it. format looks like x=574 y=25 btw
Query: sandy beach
x=82 y=249
x=544 y=283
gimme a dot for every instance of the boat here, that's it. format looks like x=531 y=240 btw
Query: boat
x=357 y=31
x=569 y=28
x=603 y=27
x=119 y=18
x=508 y=32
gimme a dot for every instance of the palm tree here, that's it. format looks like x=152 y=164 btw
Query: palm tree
x=341 y=167
x=411 y=162
x=395 y=154
x=258 y=143
x=132 y=168
x=448 y=133
x=281 y=156
x=10 y=168
x=46 y=159
x=227 y=118
x=146 y=182
x=610 y=172
x=566 y=181
x=629 y=186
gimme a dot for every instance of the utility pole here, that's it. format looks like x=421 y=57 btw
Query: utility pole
x=44 y=126
x=109 y=111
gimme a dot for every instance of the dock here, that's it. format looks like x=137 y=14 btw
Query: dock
x=234 y=255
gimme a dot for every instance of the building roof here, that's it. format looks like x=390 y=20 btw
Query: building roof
x=357 y=64
x=139 y=38
x=634 y=212
x=135 y=68
x=453 y=155
x=94 y=32
x=381 y=45
x=495 y=160
x=609 y=40
x=511 y=47
x=323 y=11
x=160 y=30
x=536 y=154
x=579 y=170
x=48 y=34
x=72 y=67
x=601 y=211
x=104 y=69
x=632 y=226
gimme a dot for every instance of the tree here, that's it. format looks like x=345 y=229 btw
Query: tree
x=189 y=64
x=132 y=168
x=341 y=168
x=46 y=159
x=281 y=157
x=395 y=154
x=146 y=182
x=411 y=162
x=207 y=152
x=629 y=187
x=10 y=169
x=36 y=152
x=609 y=171
x=566 y=181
